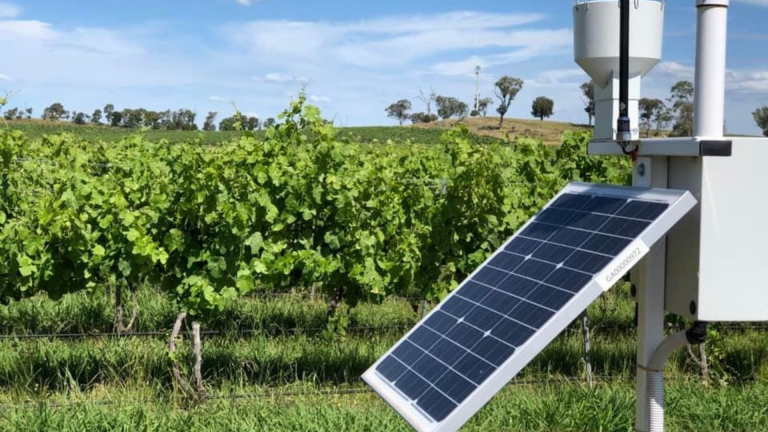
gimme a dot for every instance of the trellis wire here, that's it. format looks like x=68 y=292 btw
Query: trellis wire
x=317 y=393
x=316 y=330
x=235 y=332
x=335 y=392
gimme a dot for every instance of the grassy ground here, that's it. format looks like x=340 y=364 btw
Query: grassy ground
x=78 y=313
x=560 y=407
x=486 y=130
x=372 y=134
x=548 y=131
x=37 y=128
x=55 y=365
x=277 y=381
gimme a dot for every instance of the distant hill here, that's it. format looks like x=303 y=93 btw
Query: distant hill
x=548 y=131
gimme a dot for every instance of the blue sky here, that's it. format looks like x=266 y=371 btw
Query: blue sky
x=356 y=57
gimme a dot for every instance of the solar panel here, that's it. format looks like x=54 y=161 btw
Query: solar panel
x=461 y=354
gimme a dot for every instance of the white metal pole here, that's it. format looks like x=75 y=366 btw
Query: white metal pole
x=711 y=38
x=649 y=280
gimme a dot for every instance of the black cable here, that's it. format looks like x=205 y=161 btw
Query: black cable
x=623 y=126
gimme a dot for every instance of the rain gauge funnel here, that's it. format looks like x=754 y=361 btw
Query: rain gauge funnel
x=596 y=50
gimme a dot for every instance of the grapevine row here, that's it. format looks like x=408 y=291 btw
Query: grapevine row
x=297 y=207
x=210 y=223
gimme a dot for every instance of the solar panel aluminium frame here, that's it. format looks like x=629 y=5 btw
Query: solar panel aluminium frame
x=680 y=203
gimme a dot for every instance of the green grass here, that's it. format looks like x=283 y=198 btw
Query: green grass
x=36 y=129
x=271 y=361
x=276 y=359
x=78 y=313
x=364 y=135
x=124 y=384
x=55 y=365
x=560 y=407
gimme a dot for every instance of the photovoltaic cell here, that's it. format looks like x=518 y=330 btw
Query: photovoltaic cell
x=491 y=317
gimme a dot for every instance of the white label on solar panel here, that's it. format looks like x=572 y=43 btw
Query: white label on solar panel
x=621 y=265
x=624 y=236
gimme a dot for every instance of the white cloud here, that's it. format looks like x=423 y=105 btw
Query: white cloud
x=219 y=99
x=564 y=78
x=82 y=39
x=319 y=99
x=737 y=81
x=30 y=30
x=4 y=77
x=274 y=77
x=8 y=10
x=747 y=82
x=763 y=3
x=93 y=57
x=529 y=44
x=392 y=40
x=556 y=76
x=243 y=2
x=745 y=90
x=674 y=70
x=461 y=20
x=406 y=48
x=104 y=41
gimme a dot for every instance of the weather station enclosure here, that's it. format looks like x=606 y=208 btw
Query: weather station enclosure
x=713 y=257
x=689 y=229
